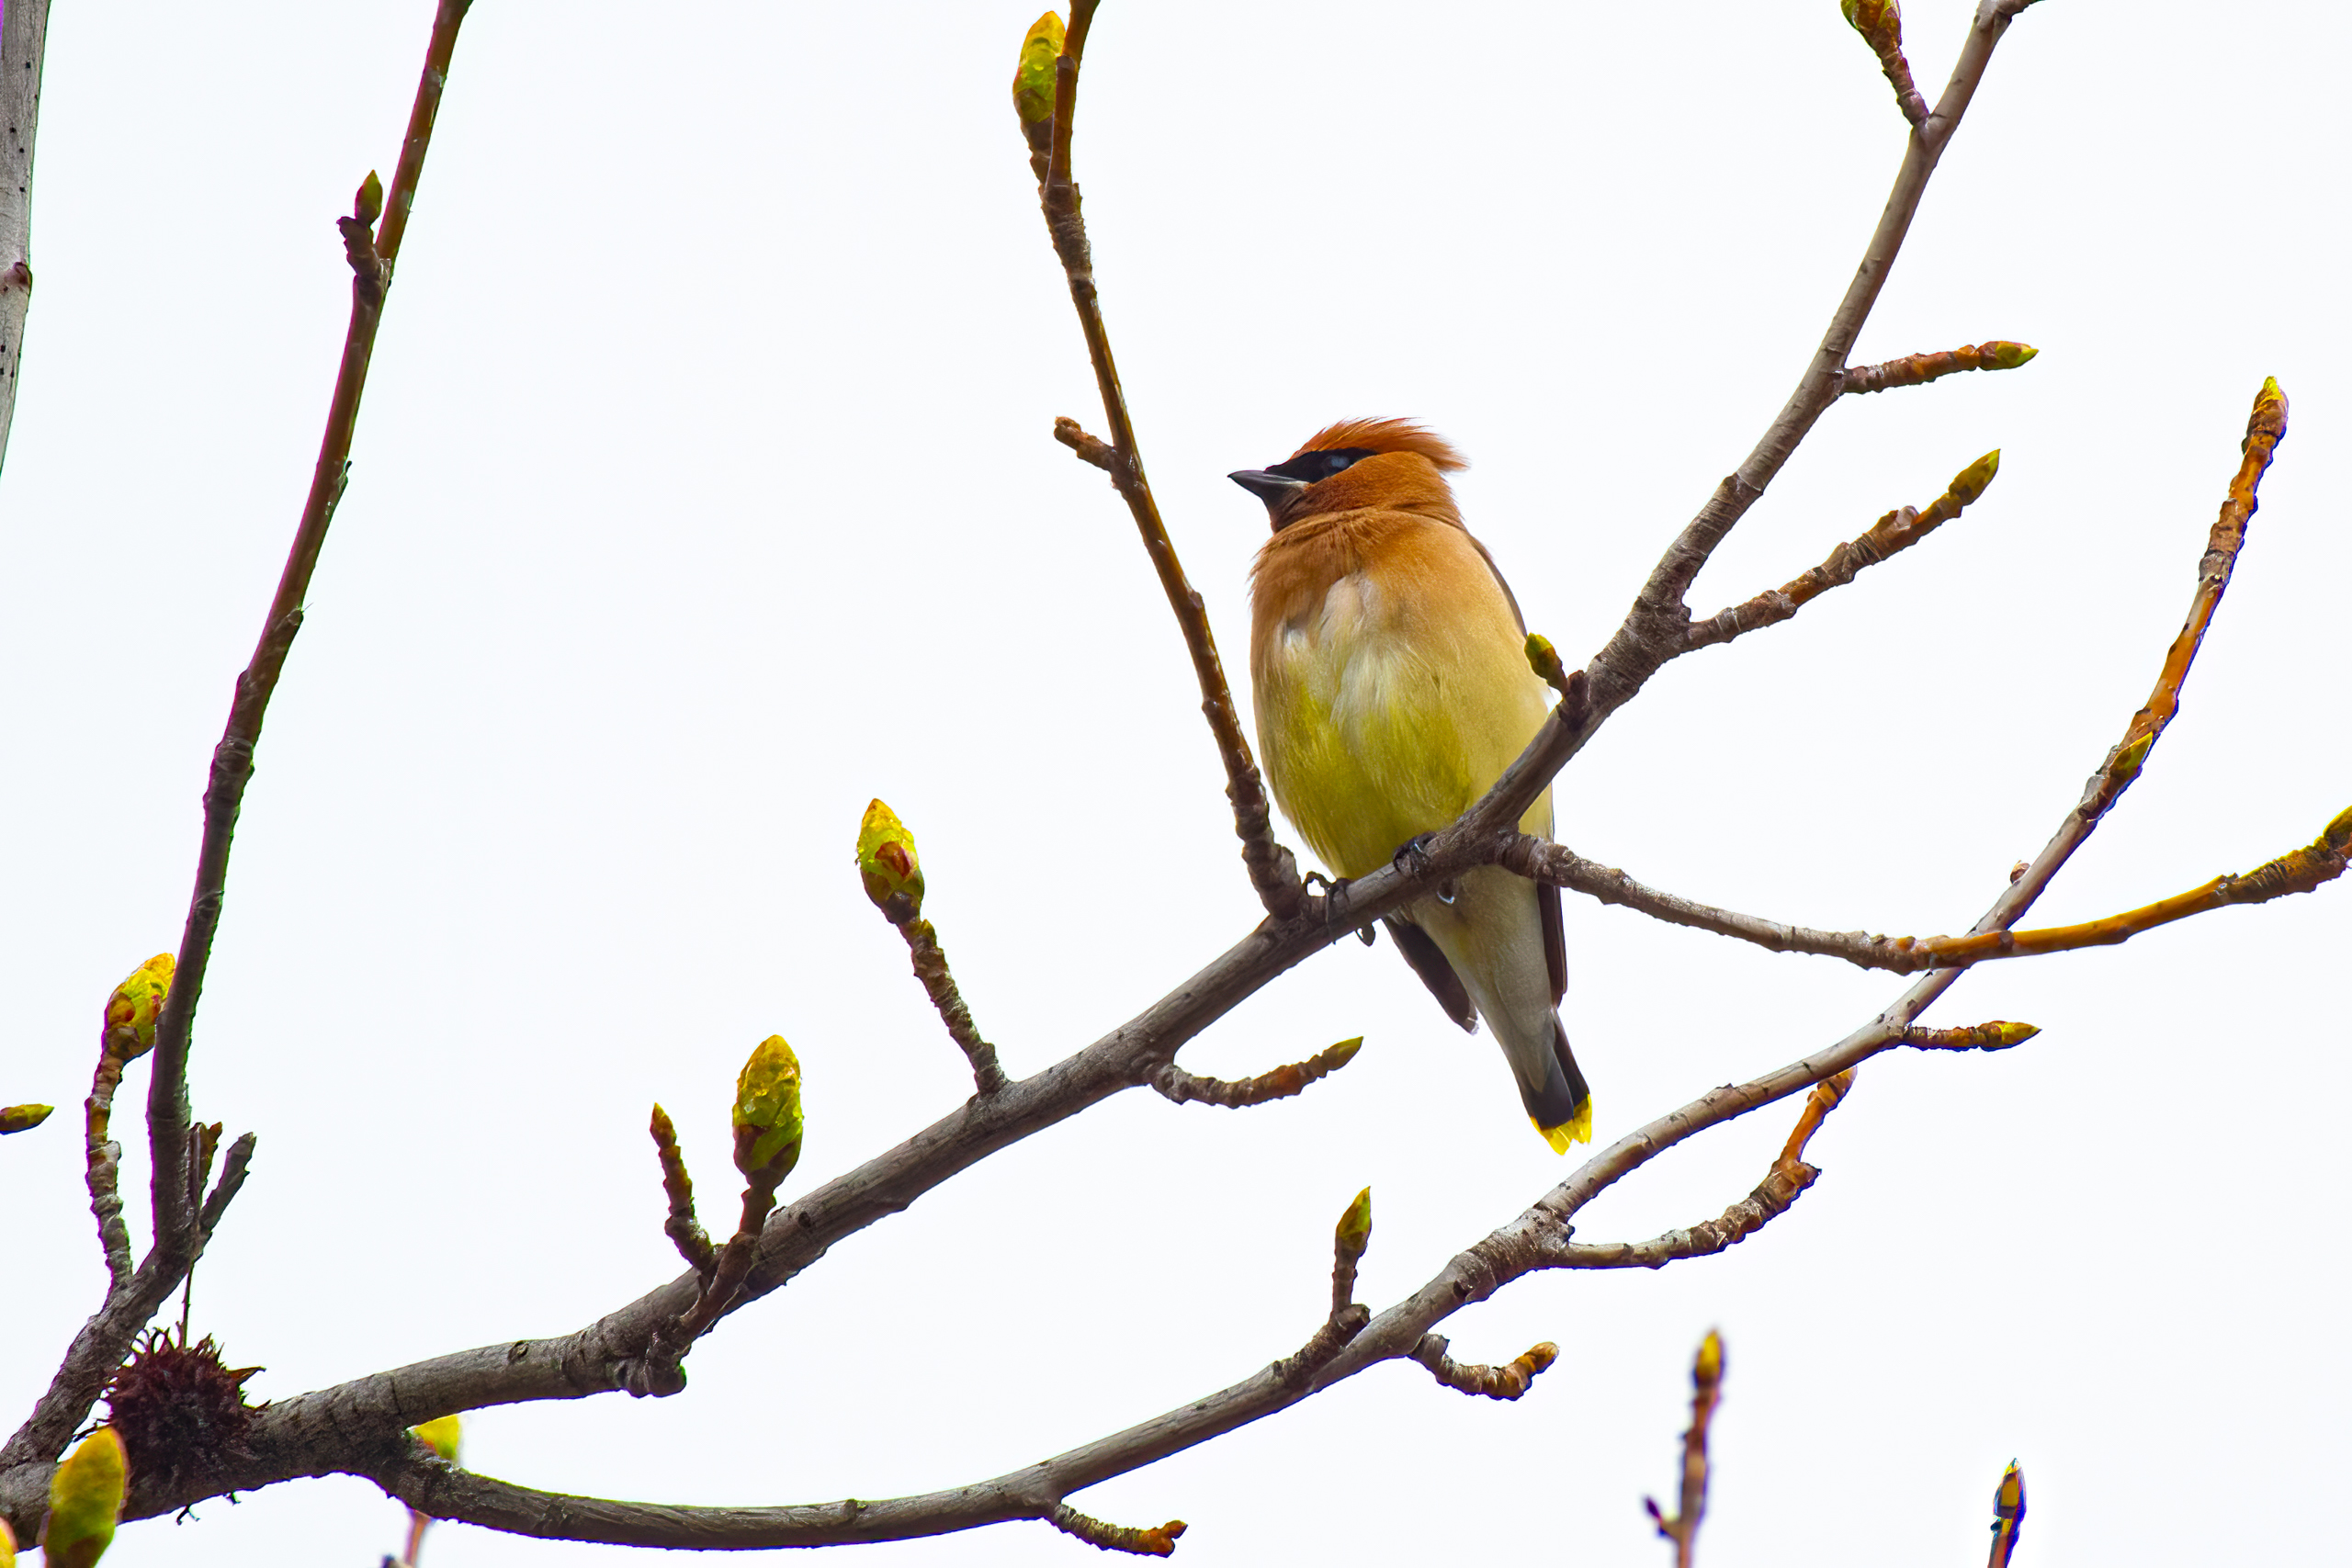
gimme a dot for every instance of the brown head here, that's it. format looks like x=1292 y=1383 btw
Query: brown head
x=1392 y=465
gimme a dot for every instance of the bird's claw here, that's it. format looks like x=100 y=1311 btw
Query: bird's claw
x=1412 y=856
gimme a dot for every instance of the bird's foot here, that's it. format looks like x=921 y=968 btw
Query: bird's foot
x=1335 y=903
x=1412 y=858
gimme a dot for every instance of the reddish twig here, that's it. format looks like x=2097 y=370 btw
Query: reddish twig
x=1507 y=1382
x=1158 y=1541
x=1706 y=1384
x=1282 y=1082
x=931 y=968
x=1770 y=1200
x=1881 y=24
x=684 y=1231
x=1915 y=369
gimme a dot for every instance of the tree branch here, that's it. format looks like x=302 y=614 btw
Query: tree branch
x=1770 y=1200
x=372 y=258
x=1655 y=629
x=1273 y=871
x=1898 y=530
x=2298 y=871
x=24 y=39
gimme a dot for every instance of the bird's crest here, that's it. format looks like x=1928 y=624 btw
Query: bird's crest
x=1377 y=435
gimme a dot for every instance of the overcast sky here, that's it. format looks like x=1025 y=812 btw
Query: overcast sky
x=705 y=490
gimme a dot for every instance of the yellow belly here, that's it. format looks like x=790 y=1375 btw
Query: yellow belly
x=1379 y=723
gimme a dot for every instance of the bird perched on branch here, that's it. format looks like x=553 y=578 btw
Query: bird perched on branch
x=1392 y=689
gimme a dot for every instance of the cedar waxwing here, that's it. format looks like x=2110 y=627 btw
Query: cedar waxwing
x=1392 y=689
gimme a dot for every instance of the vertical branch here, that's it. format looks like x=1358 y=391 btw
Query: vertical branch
x=1706 y=1382
x=24 y=35
x=371 y=257
x=1273 y=871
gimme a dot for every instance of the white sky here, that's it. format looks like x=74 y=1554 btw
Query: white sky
x=705 y=490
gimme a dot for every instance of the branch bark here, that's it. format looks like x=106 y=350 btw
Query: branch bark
x=24 y=38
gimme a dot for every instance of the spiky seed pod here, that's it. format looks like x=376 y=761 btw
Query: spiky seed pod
x=181 y=1411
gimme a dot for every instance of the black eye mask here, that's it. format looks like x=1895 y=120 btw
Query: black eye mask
x=1312 y=466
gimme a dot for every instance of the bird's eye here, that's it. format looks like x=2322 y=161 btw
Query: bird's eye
x=1314 y=465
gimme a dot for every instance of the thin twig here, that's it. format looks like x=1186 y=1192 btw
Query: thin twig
x=1898 y=530
x=1273 y=871
x=24 y=39
x=1881 y=24
x=1706 y=1385
x=931 y=968
x=1507 y=1382
x=2301 y=870
x=1916 y=369
x=180 y=1227
x=684 y=1231
x=1655 y=629
x=102 y=1157
x=372 y=258
x=1772 y=1198
x=1288 y=1080
x=1158 y=1541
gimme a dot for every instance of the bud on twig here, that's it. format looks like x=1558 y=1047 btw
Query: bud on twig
x=1033 y=81
x=23 y=1117
x=768 y=1113
x=442 y=1435
x=84 y=1501
x=887 y=865
x=136 y=1004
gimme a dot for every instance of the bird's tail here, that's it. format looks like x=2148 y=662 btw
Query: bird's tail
x=1561 y=1106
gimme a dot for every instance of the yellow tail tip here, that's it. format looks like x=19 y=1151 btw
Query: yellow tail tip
x=1576 y=1129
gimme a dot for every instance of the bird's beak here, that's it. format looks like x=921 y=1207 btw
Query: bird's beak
x=1272 y=489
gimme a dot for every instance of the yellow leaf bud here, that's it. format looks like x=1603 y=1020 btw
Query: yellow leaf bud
x=23 y=1119
x=2008 y=356
x=1709 y=1366
x=442 y=1435
x=84 y=1501
x=767 y=1111
x=367 y=205
x=1970 y=482
x=887 y=865
x=1353 y=1233
x=137 y=1003
x=1033 y=81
